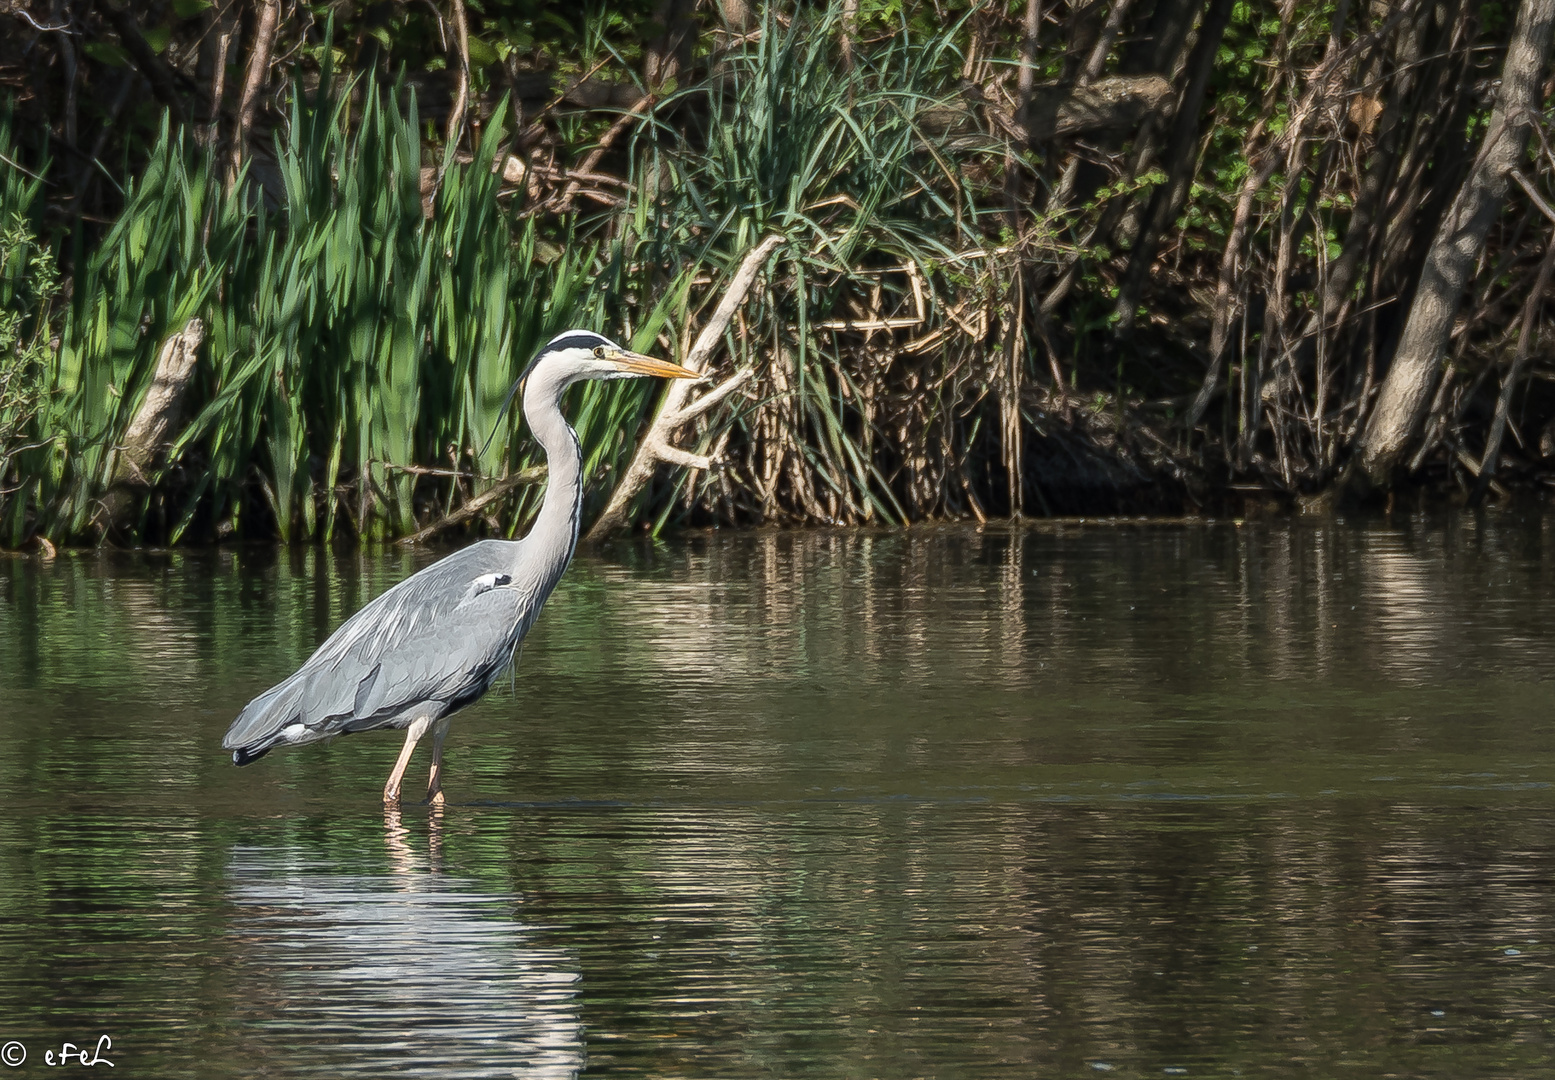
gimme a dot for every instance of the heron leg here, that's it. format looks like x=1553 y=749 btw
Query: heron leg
x=435 y=780
x=391 y=790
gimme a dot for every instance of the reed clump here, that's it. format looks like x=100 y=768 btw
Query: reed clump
x=1037 y=257
x=365 y=304
x=868 y=344
x=360 y=339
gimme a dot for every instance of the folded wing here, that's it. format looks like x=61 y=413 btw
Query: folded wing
x=430 y=645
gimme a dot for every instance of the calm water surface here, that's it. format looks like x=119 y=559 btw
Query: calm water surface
x=1128 y=800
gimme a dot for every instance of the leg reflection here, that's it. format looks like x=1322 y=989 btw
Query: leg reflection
x=396 y=838
x=435 y=838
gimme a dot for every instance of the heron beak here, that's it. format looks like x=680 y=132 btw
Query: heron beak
x=638 y=364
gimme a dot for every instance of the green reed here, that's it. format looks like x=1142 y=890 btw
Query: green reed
x=368 y=303
x=353 y=339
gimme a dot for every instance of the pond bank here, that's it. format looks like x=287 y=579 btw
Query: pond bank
x=937 y=268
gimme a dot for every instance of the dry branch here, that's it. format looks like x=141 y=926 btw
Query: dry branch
x=674 y=411
x=462 y=94
x=590 y=163
x=474 y=506
x=1525 y=342
x=258 y=69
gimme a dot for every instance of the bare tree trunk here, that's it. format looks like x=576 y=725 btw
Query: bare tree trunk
x=1316 y=344
x=213 y=66
x=670 y=51
x=462 y=94
x=1028 y=52
x=1407 y=388
x=1525 y=341
x=849 y=30
x=1435 y=160
x=1179 y=162
x=265 y=20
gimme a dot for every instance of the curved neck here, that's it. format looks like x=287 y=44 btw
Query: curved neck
x=550 y=541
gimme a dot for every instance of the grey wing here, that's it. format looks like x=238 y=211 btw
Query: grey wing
x=432 y=644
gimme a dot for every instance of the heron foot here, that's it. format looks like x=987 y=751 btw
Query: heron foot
x=435 y=777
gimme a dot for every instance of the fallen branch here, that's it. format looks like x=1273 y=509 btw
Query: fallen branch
x=674 y=410
x=149 y=432
x=147 y=435
x=474 y=506
x=462 y=94
x=590 y=163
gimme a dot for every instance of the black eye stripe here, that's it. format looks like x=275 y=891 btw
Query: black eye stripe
x=576 y=341
x=571 y=339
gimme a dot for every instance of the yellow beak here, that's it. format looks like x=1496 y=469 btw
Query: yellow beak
x=638 y=364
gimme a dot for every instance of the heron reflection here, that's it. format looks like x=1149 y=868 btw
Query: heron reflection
x=410 y=972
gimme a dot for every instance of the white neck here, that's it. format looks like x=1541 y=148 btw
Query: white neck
x=548 y=546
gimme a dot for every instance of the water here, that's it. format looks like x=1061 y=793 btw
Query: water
x=1129 y=800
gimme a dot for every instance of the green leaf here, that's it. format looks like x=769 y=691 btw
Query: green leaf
x=104 y=53
x=158 y=37
x=482 y=54
x=188 y=9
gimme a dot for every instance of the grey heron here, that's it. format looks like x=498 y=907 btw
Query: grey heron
x=441 y=638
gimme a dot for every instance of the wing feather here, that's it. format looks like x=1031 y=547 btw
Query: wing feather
x=436 y=641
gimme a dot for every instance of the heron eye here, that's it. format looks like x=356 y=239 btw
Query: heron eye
x=599 y=351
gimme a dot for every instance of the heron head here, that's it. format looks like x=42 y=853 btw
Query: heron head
x=583 y=354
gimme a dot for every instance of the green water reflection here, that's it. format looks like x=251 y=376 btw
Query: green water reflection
x=1126 y=800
